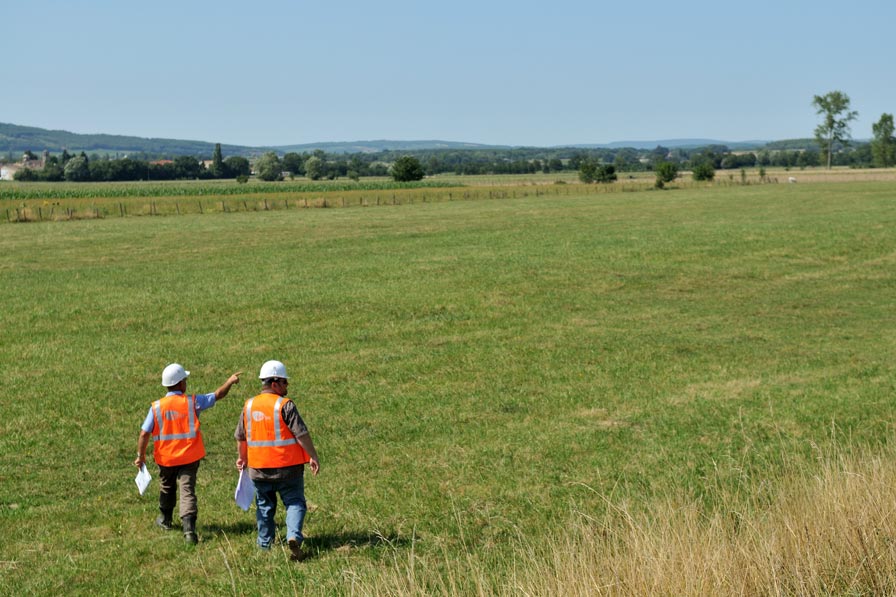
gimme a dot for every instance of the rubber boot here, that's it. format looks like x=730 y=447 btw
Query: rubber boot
x=189 y=523
x=163 y=520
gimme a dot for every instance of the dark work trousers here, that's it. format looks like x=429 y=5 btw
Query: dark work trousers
x=174 y=478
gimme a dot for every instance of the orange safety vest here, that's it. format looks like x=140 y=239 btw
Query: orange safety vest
x=176 y=436
x=269 y=440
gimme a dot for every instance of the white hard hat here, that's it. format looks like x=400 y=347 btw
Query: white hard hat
x=173 y=374
x=273 y=369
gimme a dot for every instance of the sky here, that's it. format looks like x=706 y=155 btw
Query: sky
x=518 y=72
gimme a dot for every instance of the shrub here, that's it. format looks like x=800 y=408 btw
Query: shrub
x=703 y=171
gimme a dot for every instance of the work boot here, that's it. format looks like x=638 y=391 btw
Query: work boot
x=163 y=520
x=295 y=550
x=189 y=523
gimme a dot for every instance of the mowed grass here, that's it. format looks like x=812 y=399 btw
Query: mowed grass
x=476 y=375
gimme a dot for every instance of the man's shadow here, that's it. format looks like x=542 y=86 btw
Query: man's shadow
x=314 y=545
x=351 y=540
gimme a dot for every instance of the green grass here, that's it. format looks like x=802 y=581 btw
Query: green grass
x=472 y=372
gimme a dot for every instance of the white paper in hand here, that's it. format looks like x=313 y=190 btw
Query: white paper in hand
x=142 y=480
x=245 y=491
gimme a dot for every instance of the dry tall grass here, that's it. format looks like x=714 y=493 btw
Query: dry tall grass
x=829 y=530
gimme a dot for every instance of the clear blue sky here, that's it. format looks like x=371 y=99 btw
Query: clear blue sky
x=499 y=72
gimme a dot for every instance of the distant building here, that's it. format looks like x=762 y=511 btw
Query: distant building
x=8 y=171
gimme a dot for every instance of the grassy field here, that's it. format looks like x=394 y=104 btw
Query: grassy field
x=499 y=390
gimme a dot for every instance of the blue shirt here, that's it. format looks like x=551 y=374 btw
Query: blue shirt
x=202 y=402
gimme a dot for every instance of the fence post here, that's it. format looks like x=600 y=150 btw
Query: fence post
x=177 y=207
x=121 y=209
x=200 y=207
x=40 y=214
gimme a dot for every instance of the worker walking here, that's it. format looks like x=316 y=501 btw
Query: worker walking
x=173 y=425
x=273 y=441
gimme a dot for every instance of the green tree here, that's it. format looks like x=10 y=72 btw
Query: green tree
x=407 y=168
x=315 y=168
x=185 y=166
x=293 y=163
x=703 y=170
x=217 y=169
x=77 y=169
x=237 y=165
x=626 y=160
x=52 y=172
x=834 y=108
x=665 y=172
x=588 y=170
x=808 y=158
x=591 y=170
x=268 y=167
x=883 y=146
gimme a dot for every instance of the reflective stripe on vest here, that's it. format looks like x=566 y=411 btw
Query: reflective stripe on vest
x=191 y=407
x=278 y=434
x=177 y=434
x=270 y=442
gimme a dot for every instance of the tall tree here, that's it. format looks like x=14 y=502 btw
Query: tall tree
x=834 y=107
x=217 y=169
x=883 y=146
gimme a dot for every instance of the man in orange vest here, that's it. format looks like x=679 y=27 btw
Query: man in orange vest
x=273 y=441
x=173 y=424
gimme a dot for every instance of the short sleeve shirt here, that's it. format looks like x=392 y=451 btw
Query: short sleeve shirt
x=203 y=402
x=294 y=421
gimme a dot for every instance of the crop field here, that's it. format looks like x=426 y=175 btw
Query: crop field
x=77 y=201
x=682 y=392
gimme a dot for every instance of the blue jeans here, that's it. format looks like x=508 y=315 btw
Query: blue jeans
x=292 y=493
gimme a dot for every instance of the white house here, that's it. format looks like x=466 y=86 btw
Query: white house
x=7 y=171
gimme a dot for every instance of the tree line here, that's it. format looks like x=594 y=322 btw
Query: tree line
x=832 y=146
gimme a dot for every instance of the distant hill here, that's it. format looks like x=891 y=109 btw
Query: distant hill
x=383 y=145
x=675 y=143
x=16 y=139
